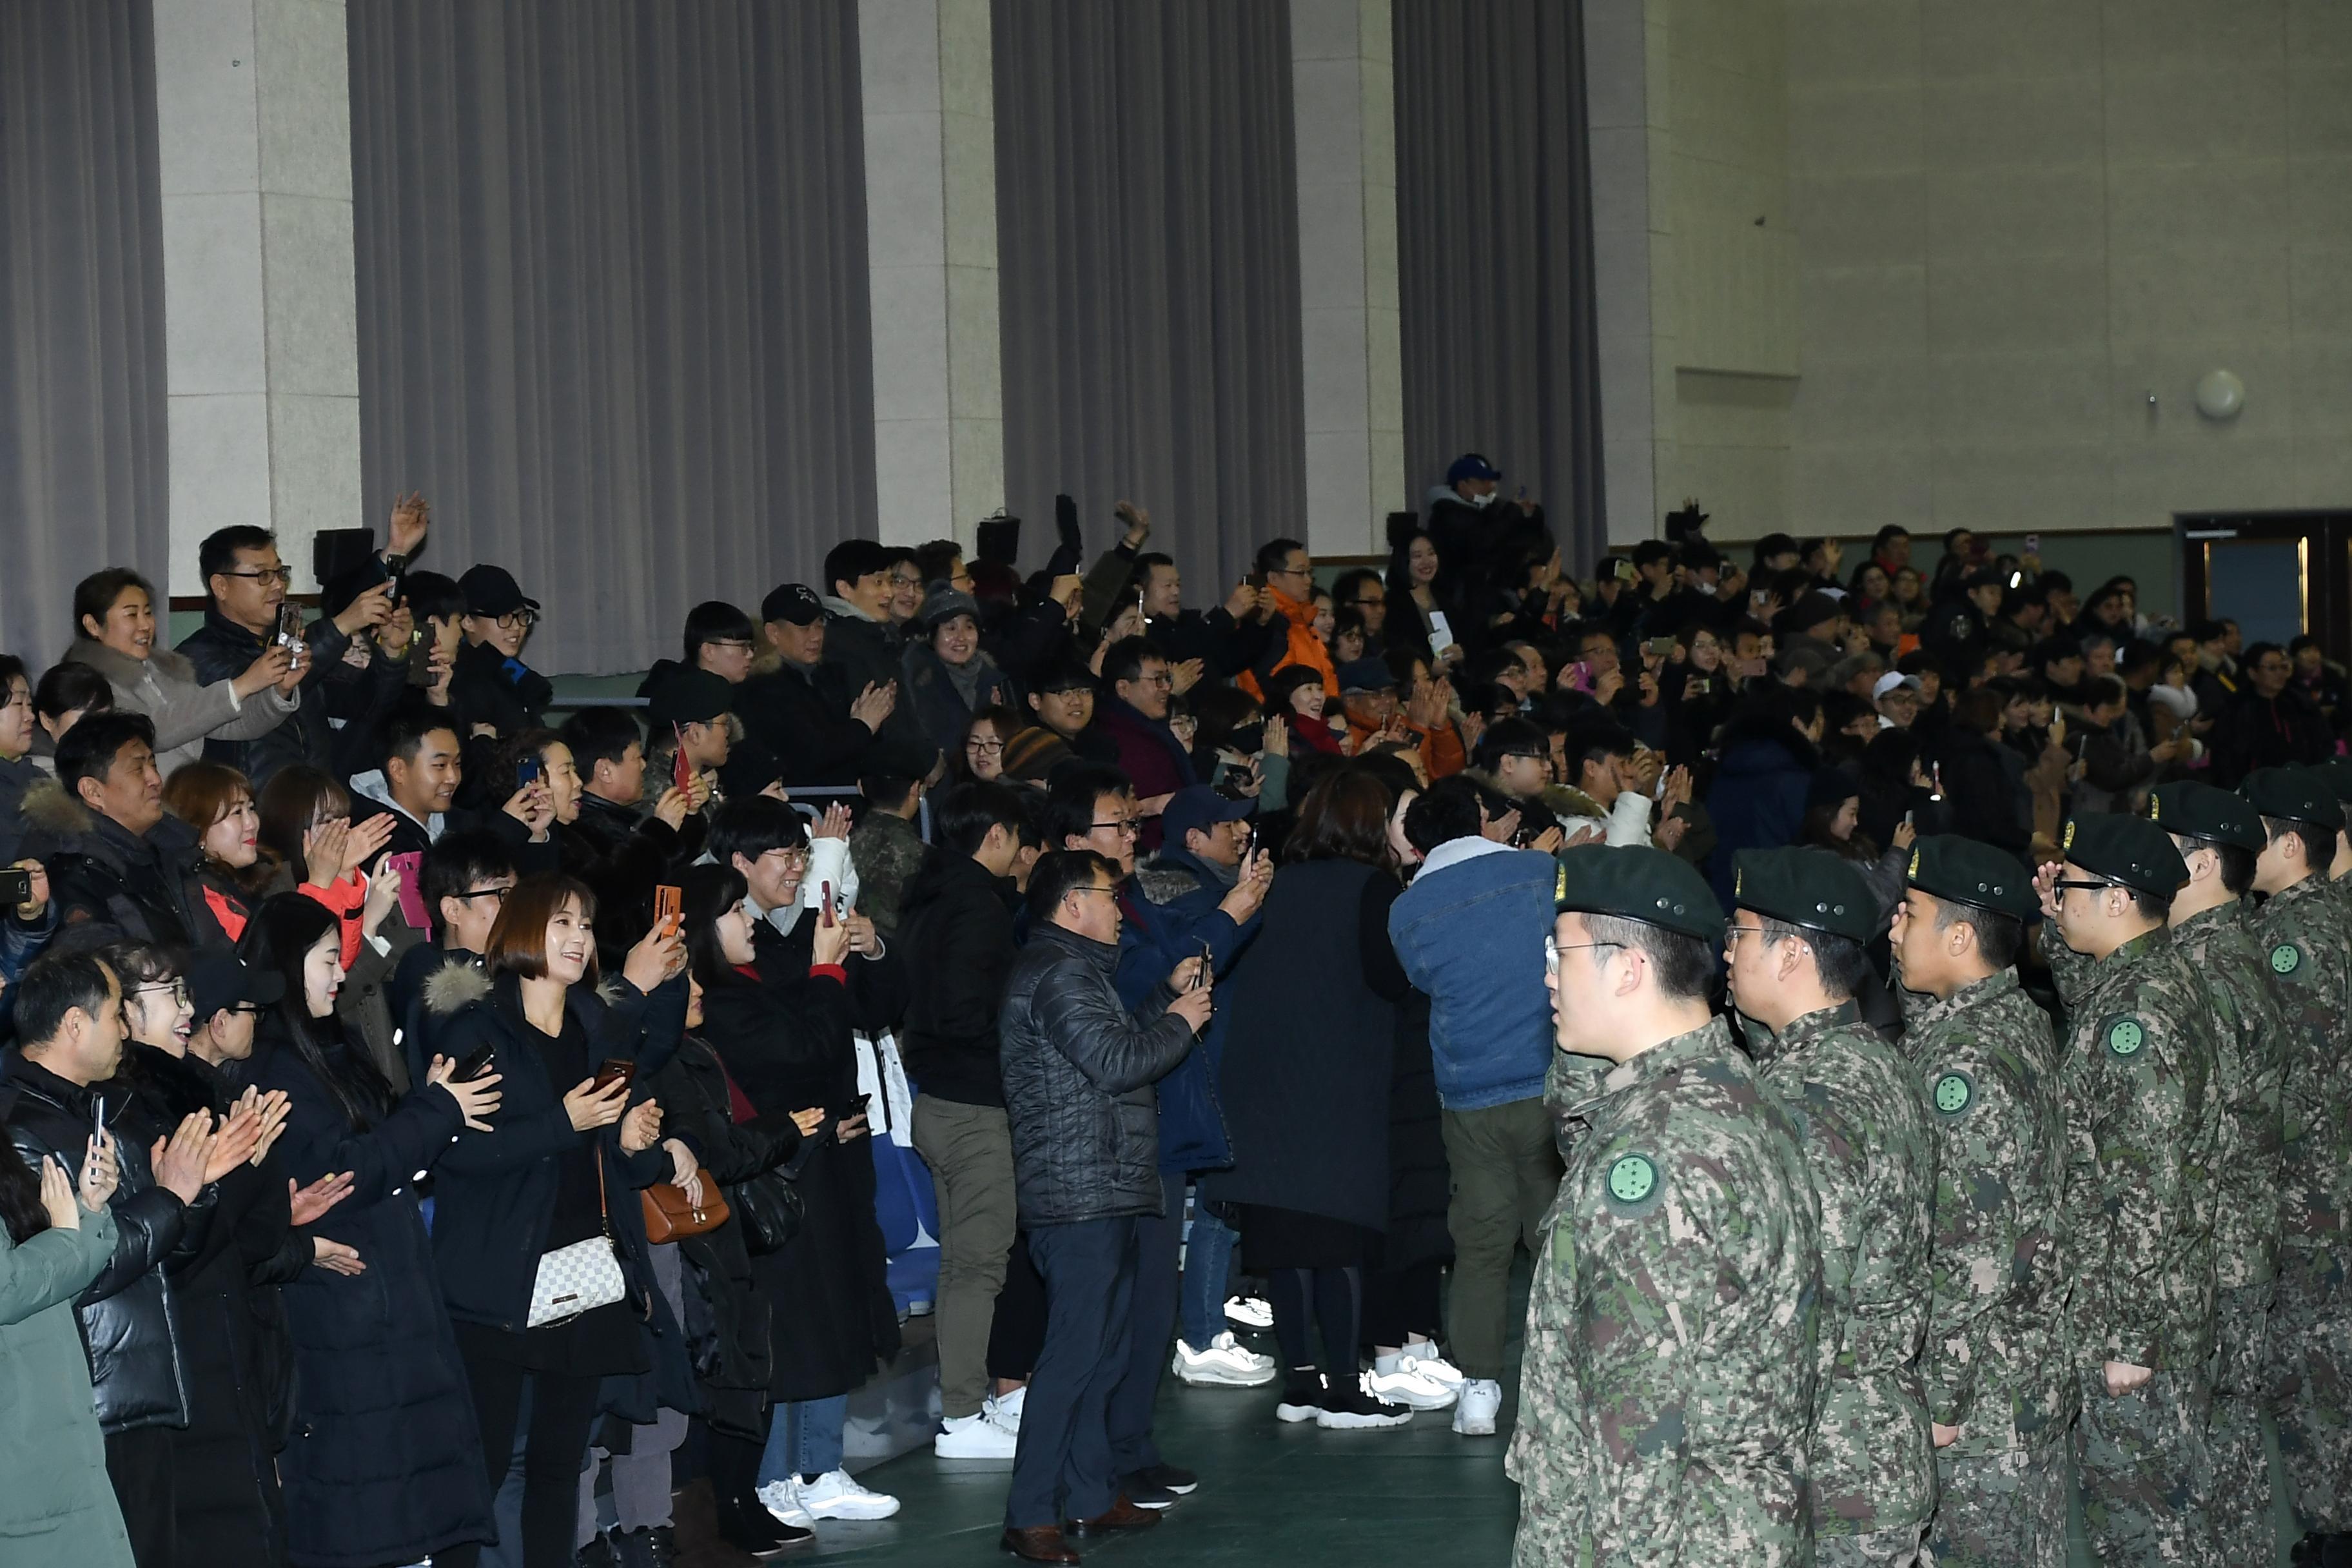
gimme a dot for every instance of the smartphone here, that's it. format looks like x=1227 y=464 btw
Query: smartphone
x=1702 y=684
x=825 y=901
x=527 y=772
x=1201 y=975
x=289 y=626
x=667 y=902
x=98 y=1119
x=15 y=885
x=1757 y=597
x=615 y=1069
x=1659 y=647
x=1580 y=675
x=681 y=771
x=476 y=1064
x=410 y=864
x=2034 y=544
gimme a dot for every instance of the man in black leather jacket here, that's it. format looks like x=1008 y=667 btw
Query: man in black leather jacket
x=70 y=1021
x=1079 y=1075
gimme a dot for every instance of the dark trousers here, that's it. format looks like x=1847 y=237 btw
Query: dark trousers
x=1158 y=1241
x=1017 y=1331
x=139 y=1463
x=562 y=1412
x=1063 y=1468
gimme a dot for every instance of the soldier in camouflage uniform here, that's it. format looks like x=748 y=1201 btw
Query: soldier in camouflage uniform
x=1663 y=1416
x=2218 y=836
x=1795 y=952
x=2339 y=774
x=2302 y=931
x=2141 y=1127
x=1999 y=1385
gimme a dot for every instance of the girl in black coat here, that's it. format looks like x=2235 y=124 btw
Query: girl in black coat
x=561 y=1166
x=778 y=1010
x=1309 y=1056
x=728 y=1319
x=383 y=1465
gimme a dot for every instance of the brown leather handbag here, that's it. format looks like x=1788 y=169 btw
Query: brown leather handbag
x=669 y=1216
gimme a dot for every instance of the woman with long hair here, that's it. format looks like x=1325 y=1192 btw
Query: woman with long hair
x=779 y=1014
x=1418 y=618
x=1306 y=1083
x=734 y=1347
x=307 y=828
x=384 y=1465
x=561 y=1167
x=58 y=1510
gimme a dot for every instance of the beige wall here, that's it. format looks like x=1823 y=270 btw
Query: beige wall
x=2017 y=218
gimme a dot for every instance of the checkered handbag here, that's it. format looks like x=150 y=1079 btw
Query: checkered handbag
x=583 y=1275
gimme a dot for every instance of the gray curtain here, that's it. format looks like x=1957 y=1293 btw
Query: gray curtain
x=82 y=423
x=1495 y=253
x=612 y=317
x=1147 y=244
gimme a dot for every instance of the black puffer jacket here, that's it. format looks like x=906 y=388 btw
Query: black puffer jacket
x=108 y=883
x=1079 y=1071
x=334 y=688
x=129 y=1324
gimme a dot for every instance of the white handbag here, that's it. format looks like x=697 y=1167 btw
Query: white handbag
x=582 y=1277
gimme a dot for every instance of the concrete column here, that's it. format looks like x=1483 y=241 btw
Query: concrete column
x=254 y=119
x=931 y=249
x=1344 y=97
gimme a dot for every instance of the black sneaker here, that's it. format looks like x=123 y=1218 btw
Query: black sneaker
x=1302 y=1396
x=1156 y=1498
x=1348 y=1407
x=1167 y=1478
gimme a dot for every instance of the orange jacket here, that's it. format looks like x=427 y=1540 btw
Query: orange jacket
x=1441 y=749
x=1304 y=648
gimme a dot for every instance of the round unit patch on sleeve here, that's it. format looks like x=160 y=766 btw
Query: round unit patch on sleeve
x=2125 y=1037
x=2285 y=958
x=1633 y=1183
x=1954 y=1093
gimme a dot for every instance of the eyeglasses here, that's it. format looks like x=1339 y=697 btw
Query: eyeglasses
x=177 y=990
x=1128 y=828
x=266 y=575
x=497 y=893
x=249 y=1009
x=984 y=747
x=1732 y=933
x=518 y=620
x=1292 y=572
x=1113 y=893
x=738 y=644
x=1552 y=950
x=2063 y=883
x=1162 y=679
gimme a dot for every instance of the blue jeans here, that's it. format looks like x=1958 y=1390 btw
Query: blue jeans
x=804 y=1438
x=1207 y=1270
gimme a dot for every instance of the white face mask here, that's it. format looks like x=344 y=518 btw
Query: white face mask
x=1486 y=499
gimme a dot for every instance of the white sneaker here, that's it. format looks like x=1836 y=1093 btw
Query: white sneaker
x=1295 y=1410
x=1475 y=1412
x=1005 y=1409
x=1430 y=1364
x=1225 y=1363
x=1408 y=1386
x=833 y=1495
x=783 y=1498
x=1252 y=1313
x=974 y=1437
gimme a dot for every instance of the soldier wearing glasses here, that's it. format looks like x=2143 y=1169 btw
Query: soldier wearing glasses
x=2142 y=1127
x=1663 y=1416
x=1795 y=952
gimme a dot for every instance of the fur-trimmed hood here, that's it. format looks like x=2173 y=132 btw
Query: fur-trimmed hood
x=1560 y=800
x=49 y=808
x=123 y=671
x=454 y=987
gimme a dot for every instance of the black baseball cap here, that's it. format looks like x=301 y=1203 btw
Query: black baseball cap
x=794 y=603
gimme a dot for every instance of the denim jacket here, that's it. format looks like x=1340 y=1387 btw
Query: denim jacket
x=1470 y=932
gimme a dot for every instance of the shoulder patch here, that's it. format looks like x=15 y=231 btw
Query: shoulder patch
x=1633 y=1185
x=2285 y=958
x=1954 y=1092
x=2125 y=1037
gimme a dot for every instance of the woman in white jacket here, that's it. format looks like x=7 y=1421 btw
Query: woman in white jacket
x=116 y=612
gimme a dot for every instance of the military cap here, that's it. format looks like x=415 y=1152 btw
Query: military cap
x=689 y=697
x=2197 y=810
x=2339 y=773
x=2129 y=850
x=1808 y=888
x=1966 y=871
x=1635 y=882
x=2298 y=795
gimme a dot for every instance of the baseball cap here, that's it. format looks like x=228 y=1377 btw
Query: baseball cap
x=795 y=604
x=1889 y=682
x=1199 y=805
x=1365 y=675
x=1470 y=466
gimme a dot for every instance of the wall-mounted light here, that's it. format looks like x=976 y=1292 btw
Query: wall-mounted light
x=2221 y=395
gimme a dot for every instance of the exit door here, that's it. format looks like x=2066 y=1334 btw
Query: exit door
x=2278 y=575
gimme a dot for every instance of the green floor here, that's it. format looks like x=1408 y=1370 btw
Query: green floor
x=1269 y=1493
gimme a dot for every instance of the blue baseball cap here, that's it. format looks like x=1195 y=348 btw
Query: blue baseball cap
x=1471 y=466
x=1199 y=805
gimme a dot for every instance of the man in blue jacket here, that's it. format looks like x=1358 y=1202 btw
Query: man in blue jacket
x=1469 y=934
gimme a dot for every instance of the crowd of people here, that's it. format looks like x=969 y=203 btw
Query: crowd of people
x=439 y=1132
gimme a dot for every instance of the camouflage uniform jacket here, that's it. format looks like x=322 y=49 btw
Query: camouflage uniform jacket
x=2301 y=934
x=2250 y=1067
x=1996 y=1362
x=1668 y=1383
x=2142 y=1124
x=1863 y=1124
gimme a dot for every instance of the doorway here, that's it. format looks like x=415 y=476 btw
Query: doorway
x=2279 y=574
